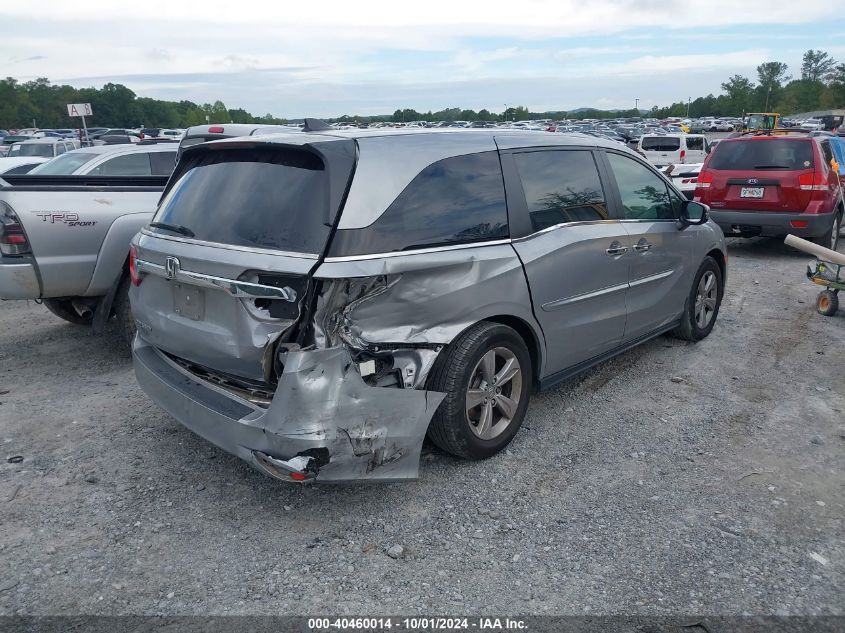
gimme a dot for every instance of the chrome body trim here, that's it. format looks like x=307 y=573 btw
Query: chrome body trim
x=234 y=287
x=231 y=247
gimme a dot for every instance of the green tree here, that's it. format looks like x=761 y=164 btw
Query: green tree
x=770 y=76
x=740 y=92
x=816 y=65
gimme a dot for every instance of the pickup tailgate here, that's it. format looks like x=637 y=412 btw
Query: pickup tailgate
x=67 y=218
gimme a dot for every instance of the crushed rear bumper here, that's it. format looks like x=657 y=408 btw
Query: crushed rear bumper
x=323 y=424
x=739 y=223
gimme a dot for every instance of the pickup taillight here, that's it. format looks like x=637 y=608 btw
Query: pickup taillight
x=12 y=237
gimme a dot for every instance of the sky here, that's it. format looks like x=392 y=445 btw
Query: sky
x=325 y=59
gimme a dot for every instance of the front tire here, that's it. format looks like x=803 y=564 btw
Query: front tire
x=703 y=302
x=63 y=308
x=486 y=374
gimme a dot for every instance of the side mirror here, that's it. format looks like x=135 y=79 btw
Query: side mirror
x=693 y=213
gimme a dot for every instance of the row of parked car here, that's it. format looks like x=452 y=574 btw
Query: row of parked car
x=317 y=301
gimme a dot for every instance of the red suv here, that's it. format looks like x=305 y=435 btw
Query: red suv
x=773 y=185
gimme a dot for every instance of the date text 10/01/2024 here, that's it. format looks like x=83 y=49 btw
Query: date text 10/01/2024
x=416 y=624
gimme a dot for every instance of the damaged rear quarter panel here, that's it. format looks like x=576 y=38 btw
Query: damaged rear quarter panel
x=421 y=298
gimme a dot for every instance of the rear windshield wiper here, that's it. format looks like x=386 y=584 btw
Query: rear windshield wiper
x=176 y=228
x=772 y=167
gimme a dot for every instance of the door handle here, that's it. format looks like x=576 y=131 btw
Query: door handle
x=642 y=247
x=616 y=250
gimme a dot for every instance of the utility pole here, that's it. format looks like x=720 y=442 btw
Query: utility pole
x=768 y=94
x=637 y=105
x=688 y=102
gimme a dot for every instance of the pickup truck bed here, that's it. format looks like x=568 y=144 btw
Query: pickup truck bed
x=77 y=229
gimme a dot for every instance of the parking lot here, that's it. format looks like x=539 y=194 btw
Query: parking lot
x=677 y=478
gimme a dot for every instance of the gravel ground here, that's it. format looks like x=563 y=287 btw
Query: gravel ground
x=675 y=479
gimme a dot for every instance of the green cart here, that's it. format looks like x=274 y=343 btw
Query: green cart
x=832 y=277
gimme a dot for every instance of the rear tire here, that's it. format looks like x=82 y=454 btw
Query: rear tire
x=486 y=374
x=703 y=302
x=827 y=303
x=63 y=308
x=123 y=312
x=830 y=238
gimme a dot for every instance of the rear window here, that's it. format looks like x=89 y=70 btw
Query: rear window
x=783 y=154
x=661 y=143
x=455 y=200
x=65 y=164
x=259 y=197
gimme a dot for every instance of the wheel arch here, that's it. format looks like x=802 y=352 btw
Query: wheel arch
x=721 y=260
x=532 y=341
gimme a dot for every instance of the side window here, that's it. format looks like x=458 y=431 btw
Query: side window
x=455 y=200
x=162 y=163
x=561 y=186
x=827 y=152
x=60 y=148
x=126 y=165
x=644 y=194
x=695 y=143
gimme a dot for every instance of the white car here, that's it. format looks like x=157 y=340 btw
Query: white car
x=142 y=159
x=812 y=124
x=684 y=177
x=667 y=149
x=43 y=147
x=20 y=165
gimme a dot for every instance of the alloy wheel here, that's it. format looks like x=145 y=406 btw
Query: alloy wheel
x=706 y=298
x=494 y=392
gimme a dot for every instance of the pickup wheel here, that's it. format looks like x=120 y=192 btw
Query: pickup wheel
x=123 y=312
x=702 y=305
x=486 y=374
x=64 y=309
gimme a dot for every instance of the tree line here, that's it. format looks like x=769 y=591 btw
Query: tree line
x=38 y=103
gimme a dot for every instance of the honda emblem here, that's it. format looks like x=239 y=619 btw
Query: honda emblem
x=171 y=267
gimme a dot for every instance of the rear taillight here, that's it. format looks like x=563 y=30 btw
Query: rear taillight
x=687 y=181
x=814 y=181
x=683 y=155
x=704 y=180
x=134 y=276
x=12 y=237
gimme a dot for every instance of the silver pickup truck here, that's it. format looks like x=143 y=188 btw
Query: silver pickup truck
x=64 y=240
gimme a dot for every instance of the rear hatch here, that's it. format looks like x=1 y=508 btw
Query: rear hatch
x=662 y=150
x=759 y=174
x=224 y=266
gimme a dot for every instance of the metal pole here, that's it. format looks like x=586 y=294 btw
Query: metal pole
x=637 y=105
x=85 y=127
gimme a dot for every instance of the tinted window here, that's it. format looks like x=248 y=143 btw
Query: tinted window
x=162 y=163
x=695 y=143
x=65 y=164
x=44 y=150
x=644 y=194
x=827 y=152
x=561 y=186
x=763 y=153
x=126 y=165
x=264 y=198
x=661 y=143
x=459 y=199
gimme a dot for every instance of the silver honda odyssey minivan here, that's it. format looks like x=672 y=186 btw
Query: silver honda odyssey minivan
x=318 y=302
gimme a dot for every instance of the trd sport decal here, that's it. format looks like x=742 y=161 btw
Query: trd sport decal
x=70 y=219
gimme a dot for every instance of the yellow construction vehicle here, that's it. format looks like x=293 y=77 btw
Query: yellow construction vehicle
x=760 y=121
